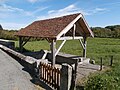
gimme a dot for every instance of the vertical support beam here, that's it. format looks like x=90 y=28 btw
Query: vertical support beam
x=53 y=50
x=20 y=44
x=85 y=46
x=74 y=28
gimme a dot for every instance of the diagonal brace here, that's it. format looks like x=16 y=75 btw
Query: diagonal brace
x=23 y=43
x=60 y=47
x=82 y=44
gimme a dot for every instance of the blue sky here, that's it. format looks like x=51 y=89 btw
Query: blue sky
x=16 y=14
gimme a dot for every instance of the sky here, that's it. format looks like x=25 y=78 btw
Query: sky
x=16 y=14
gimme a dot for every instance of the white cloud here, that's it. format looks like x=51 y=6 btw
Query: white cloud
x=7 y=12
x=33 y=1
x=6 y=8
x=96 y=10
x=32 y=13
x=70 y=10
x=65 y=11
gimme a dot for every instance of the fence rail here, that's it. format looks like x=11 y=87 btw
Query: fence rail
x=50 y=75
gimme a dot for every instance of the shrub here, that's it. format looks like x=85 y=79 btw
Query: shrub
x=102 y=82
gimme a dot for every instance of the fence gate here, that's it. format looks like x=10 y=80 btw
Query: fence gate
x=50 y=75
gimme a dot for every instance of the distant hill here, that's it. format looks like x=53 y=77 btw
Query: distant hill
x=1 y=27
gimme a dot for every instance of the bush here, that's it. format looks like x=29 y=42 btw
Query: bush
x=102 y=82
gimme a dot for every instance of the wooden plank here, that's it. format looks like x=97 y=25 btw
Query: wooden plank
x=40 y=70
x=45 y=73
x=55 y=78
x=58 y=78
x=49 y=74
x=70 y=38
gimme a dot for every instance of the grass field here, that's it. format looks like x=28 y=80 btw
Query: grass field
x=96 y=48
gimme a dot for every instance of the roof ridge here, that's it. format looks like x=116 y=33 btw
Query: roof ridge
x=58 y=17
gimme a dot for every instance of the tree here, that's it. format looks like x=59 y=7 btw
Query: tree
x=1 y=27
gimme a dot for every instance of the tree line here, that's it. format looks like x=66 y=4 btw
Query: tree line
x=106 y=32
x=8 y=34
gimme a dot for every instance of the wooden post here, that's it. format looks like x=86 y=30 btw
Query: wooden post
x=53 y=50
x=84 y=49
x=74 y=75
x=20 y=44
x=111 y=61
x=66 y=76
x=100 y=63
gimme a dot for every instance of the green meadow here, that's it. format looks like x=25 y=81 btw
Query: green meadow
x=96 y=48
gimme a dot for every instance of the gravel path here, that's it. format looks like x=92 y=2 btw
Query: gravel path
x=12 y=77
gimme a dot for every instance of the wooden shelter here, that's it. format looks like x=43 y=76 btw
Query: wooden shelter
x=61 y=28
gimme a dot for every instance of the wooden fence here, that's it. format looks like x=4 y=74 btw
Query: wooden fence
x=50 y=75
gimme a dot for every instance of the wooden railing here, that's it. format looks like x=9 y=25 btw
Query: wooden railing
x=50 y=75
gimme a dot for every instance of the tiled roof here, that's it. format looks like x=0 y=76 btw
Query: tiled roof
x=48 y=28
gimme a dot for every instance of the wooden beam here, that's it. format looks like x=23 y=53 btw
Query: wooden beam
x=60 y=47
x=84 y=49
x=91 y=33
x=68 y=27
x=25 y=41
x=53 y=50
x=81 y=27
x=82 y=44
x=69 y=38
x=74 y=28
x=20 y=44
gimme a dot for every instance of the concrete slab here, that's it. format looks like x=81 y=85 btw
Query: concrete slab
x=85 y=70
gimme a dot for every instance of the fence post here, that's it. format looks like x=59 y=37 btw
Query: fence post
x=66 y=76
x=74 y=75
x=100 y=63
x=111 y=61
